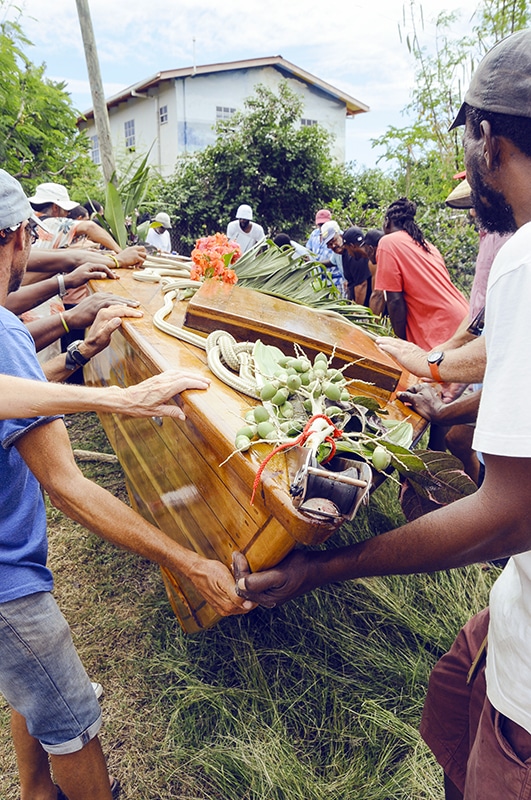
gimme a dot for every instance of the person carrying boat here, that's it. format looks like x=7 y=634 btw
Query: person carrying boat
x=477 y=716
x=55 y=714
x=243 y=230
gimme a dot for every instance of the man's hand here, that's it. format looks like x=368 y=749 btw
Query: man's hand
x=292 y=577
x=216 y=584
x=107 y=320
x=408 y=355
x=132 y=257
x=84 y=314
x=425 y=400
x=148 y=399
x=88 y=272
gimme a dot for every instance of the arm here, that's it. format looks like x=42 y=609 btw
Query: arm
x=47 y=452
x=45 y=261
x=460 y=337
x=464 y=365
x=20 y=397
x=427 y=402
x=494 y=522
x=377 y=302
x=397 y=308
x=94 y=232
x=107 y=320
x=360 y=292
x=48 y=329
x=35 y=293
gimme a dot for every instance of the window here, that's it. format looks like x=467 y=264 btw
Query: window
x=308 y=122
x=163 y=115
x=224 y=112
x=95 y=150
x=129 y=130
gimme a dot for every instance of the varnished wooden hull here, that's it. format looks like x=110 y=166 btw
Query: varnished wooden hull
x=173 y=469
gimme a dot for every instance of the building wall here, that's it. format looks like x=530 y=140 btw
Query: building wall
x=192 y=105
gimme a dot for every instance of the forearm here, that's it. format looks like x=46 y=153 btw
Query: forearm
x=464 y=365
x=31 y=295
x=99 y=235
x=28 y=398
x=460 y=337
x=480 y=527
x=397 y=314
x=459 y=412
x=46 y=330
x=359 y=293
x=53 y=261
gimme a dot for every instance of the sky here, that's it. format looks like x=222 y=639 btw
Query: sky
x=355 y=46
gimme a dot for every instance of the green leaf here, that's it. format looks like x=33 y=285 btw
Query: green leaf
x=114 y=214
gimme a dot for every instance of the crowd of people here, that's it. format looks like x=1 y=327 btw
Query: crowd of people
x=477 y=716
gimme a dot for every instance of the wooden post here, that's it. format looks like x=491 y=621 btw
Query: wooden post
x=101 y=116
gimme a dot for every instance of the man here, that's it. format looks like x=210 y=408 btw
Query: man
x=158 y=234
x=355 y=268
x=423 y=304
x=315 y=244
x=52 y=203
x=477 y=717
x=244 y=231
x=55 y=713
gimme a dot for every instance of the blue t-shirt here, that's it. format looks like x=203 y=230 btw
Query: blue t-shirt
x=23 y=543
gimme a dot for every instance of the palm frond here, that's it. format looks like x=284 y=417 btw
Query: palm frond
x=281 y=273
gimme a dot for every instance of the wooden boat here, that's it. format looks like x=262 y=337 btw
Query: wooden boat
x=174 y=471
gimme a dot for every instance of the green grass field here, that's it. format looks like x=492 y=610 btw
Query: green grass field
x=318 y=699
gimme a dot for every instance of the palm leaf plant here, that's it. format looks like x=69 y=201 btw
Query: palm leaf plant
x=280 y=272
x=122 y=199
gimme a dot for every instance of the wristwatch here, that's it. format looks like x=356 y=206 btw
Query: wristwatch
x=434 y=359
x=74 y=358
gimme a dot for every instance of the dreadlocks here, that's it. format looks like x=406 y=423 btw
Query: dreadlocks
x=402 y=214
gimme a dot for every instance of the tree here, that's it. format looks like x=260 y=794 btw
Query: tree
x=441 y=77
x=39 y=140
x=262 y=156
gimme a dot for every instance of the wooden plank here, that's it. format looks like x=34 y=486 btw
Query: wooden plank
x=249 y=315
x=209 y=510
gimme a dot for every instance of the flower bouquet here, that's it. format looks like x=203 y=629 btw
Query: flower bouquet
x=213 y=256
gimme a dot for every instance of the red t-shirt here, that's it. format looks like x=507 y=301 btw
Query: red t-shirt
x=435 y=308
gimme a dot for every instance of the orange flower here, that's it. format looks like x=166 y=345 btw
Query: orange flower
x=212 y=257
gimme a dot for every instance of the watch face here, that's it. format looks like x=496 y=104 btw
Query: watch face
x=435 y=358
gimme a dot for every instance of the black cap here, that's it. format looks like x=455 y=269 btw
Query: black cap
x=353 y=235
x=502 y=81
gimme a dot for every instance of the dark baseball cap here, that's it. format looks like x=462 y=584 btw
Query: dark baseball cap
x=502 y=81
x=353 y=235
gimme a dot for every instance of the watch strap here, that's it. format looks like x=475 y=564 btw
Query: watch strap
x=74 y=358
x=435 y=374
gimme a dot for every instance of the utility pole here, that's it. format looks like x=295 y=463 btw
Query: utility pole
x=101 y=116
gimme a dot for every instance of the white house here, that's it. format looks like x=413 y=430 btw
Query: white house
x=174 y=112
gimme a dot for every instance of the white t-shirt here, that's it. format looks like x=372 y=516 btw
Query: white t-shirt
x=245 y=240
x=161 y=241
x=504 y=428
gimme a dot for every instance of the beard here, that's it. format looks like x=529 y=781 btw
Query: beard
x=15 y=280
x=494 y=213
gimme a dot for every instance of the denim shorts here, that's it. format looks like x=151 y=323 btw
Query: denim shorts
x=42 y=677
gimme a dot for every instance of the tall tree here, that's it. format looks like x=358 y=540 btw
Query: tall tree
x=441 y=77
x=264 y=157
x=39 y=139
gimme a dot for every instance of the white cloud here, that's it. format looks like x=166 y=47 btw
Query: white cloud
x=355 y=47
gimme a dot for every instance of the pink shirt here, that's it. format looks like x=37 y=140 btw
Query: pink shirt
x=435 y=308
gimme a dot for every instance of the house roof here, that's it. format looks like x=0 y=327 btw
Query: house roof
x=353 y=106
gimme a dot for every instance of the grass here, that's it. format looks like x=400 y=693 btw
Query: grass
x=319 y=698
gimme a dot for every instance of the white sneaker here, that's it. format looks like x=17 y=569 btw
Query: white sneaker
x=98 y=689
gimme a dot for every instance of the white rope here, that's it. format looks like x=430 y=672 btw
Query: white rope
x=220 y=346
